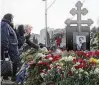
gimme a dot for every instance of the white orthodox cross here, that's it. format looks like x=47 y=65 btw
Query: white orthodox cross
x=79 y=12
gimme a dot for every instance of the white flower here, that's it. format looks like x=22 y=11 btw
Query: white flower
x=98 y=61
x=65 y=58
x=79 y=75
x=48 y=70
x=44 y=49
x=42 y=74
x=96 y=71
x=73 y=69
x=86 y=73
x=61 y=64
x=81 y=70
x=51 y=65
x=40 y=55
x=77 y=63
x=57 y=63
x=76 y=72
x=58 y=51
x=91 y=72
x=70 y=58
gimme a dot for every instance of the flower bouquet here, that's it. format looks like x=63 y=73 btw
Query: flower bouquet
x=63 y=68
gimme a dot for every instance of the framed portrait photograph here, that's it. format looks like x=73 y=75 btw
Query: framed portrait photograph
x=81 y=42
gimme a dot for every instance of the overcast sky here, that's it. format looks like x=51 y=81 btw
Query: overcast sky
x=33 y=12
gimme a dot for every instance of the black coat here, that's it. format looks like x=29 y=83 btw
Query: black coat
x=22 y=40
x=9 y=41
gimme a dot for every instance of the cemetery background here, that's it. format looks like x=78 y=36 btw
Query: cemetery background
x=73 y=68
x=69 y=29
x=68 y=37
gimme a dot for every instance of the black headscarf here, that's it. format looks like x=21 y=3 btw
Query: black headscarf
x=8 y=19
x=21 y=30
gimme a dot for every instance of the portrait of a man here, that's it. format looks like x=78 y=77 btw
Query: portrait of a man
x=81 y=42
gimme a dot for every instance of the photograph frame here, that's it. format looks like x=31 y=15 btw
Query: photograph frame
x=86 y=42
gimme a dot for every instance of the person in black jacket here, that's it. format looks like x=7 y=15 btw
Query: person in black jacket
x=23 y=35
x=20 y=35
x=9 y=42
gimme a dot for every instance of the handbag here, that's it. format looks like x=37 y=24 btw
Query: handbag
x=6 y=67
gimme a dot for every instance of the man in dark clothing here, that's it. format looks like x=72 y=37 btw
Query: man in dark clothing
x=20 y=35
x=22 y=38
x=9 y=43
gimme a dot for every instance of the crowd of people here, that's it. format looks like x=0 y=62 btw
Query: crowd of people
x=12 y=42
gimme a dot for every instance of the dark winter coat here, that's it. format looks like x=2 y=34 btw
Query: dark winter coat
x=9 y=41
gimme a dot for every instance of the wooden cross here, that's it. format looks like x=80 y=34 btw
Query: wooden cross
x=79 y=12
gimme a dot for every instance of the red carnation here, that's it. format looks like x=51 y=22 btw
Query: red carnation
x=81 y=65
x=97 y=53
x=55 y=58
x=79 y=53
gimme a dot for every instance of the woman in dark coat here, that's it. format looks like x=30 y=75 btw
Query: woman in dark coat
x=9 y=42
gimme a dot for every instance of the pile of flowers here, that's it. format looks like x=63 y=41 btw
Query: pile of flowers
x=62 y=68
